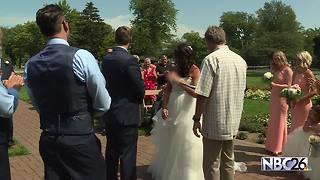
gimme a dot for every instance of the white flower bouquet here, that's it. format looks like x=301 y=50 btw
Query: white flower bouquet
x=314 y=141
x=268 y=76
x=292 y=93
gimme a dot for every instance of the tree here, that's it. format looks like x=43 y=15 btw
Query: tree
x=277 y=29
x=316 y=49
x=22 y=41
x=198 y=45
x=310 y=40
x=72 y=16
x=92 y=31
x=239 y=28
x=154 y=21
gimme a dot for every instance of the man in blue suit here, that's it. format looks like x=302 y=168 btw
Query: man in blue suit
x=126 y=88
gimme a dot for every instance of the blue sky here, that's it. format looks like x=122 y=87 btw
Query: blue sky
x=194 y=15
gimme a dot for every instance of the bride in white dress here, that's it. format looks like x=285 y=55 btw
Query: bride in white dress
x=178 y=152
x=298 y=143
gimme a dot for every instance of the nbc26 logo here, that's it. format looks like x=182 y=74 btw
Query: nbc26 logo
x=284 y=164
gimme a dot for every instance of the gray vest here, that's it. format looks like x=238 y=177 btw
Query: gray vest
x=63 y=100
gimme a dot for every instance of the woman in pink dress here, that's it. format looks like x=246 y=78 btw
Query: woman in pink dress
x=150 y=79
x=277 y=125
x=300 y=109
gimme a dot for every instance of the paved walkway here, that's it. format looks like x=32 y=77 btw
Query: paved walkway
x=30 y=167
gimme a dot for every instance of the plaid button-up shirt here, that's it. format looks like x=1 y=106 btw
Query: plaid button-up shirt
x=223 y=81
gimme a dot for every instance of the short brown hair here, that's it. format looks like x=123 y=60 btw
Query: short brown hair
x=123 y=35
x=49 y=19
x=215 y=35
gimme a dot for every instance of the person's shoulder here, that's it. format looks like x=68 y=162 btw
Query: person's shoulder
x=83 y=52
x=309 y=73
x=34 y=57
x=195 y=67
x=288 y=69
x=210 y=56
x=195 y=70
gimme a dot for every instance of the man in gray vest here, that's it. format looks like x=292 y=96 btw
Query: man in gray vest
x=67 y=89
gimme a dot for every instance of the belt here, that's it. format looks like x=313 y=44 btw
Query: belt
x=66 y=124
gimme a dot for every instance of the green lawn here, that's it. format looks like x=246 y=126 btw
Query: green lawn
x=255 y=116
x=255 y=79
x=255 y=107
x=18 y=150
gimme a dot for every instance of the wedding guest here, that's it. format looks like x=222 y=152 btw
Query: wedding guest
x=162 y=70
x=126 y=88
x=302 y=73
x=8 y=104
x=150 y=79
x=68 y=89
x=220 y=99
x=277 y=126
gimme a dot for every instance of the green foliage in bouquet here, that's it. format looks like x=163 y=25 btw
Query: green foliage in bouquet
x=291 y=94
x=316 y=100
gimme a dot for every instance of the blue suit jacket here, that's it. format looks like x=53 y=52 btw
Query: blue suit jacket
x=125 y=86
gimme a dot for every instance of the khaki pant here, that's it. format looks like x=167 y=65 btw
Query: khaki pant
x=218 y=159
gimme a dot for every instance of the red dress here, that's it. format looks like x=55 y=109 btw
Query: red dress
x=150 y=82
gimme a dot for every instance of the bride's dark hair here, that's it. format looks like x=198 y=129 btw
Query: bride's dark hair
x=184 y=58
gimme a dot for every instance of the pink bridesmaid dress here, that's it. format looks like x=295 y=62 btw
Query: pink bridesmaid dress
x=300 y=111
x=277 y=125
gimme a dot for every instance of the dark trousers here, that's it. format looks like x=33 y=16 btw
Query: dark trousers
x=10 y=132
x=72 y=157
x=4 y=162
x=121 y=145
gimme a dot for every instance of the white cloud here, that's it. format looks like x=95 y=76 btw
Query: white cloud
x=12 y=21
x=116 y=21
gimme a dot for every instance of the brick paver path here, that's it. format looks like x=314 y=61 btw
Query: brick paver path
x=30 y=167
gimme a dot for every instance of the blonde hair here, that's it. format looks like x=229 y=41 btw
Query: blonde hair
x=283 y=59
x=305 y=59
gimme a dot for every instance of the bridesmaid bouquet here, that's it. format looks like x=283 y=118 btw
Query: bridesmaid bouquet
x=292 y=93
x=314 y=141
x=268 y=76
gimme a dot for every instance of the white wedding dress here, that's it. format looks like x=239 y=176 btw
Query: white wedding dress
x=178 y=151
x=298 y=146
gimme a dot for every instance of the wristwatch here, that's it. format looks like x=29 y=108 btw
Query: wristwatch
x=195 y=119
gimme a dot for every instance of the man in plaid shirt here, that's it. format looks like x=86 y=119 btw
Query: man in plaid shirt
x=220 y=99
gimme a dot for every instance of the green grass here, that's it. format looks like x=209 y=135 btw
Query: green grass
x=255 y=79
x=255 y=107
x=24 y=95
x=255 y=116
x=18 y=150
